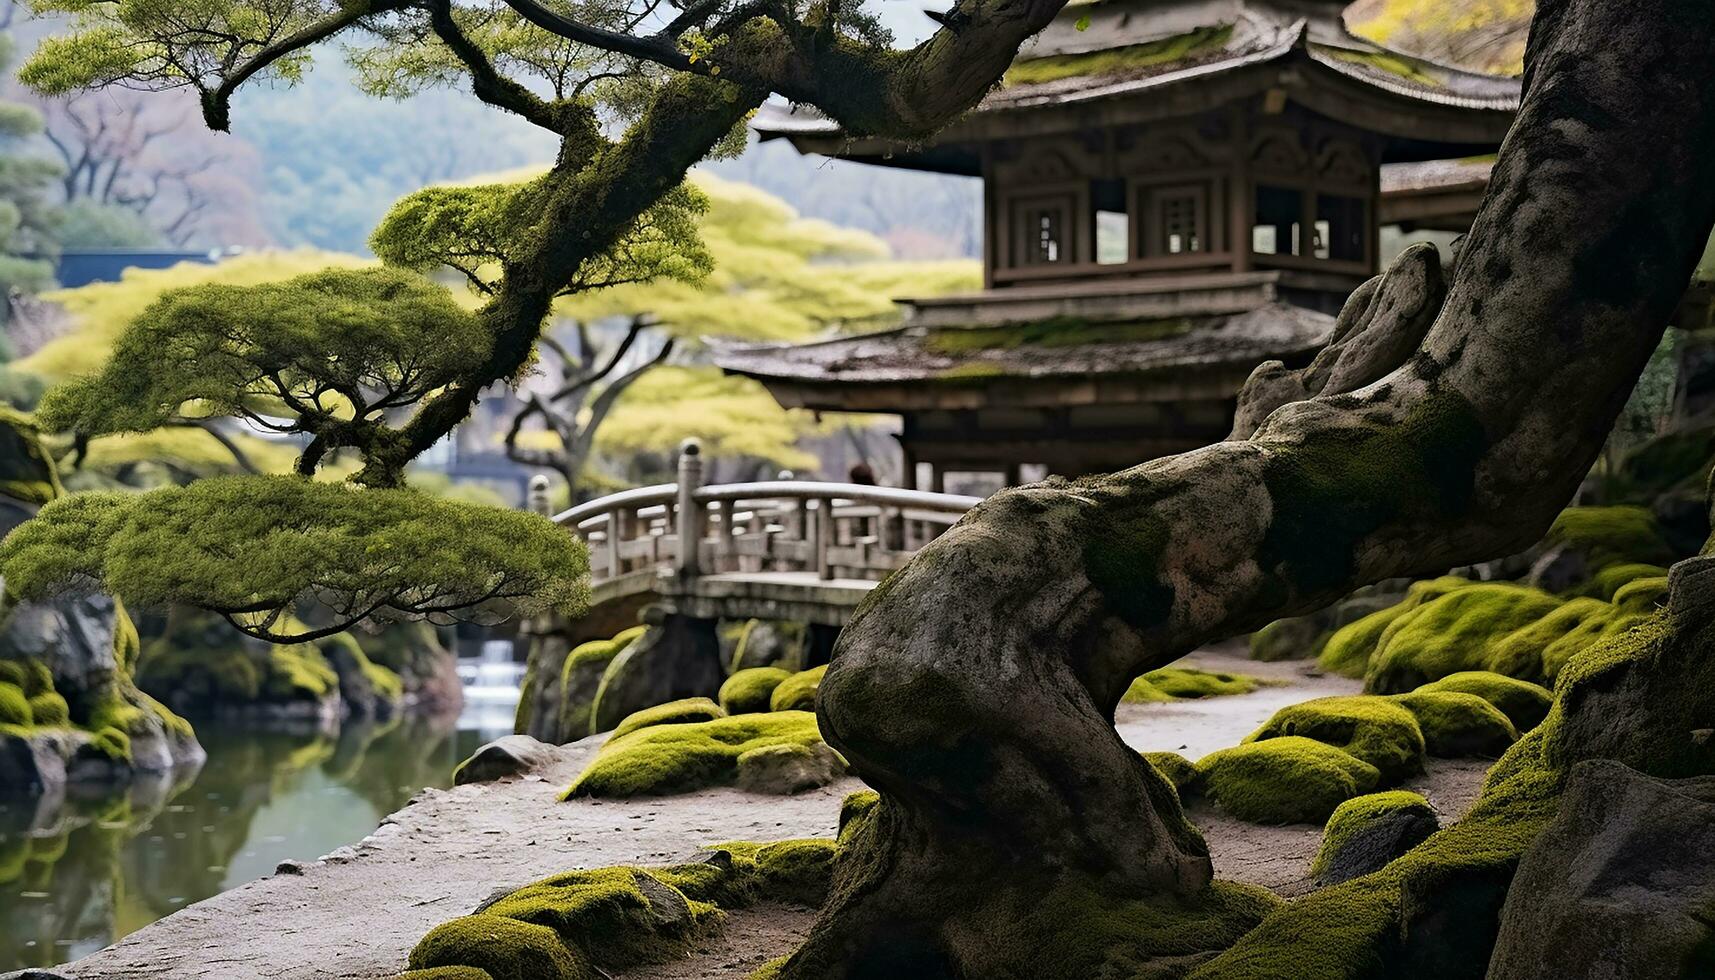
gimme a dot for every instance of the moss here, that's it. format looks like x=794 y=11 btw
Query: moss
x=1394 y=64
x=506 y=949
x=1330 y=494
x=1374 y=729
x=1349 y=649
x=1177 y=769
x=615 y=916
x=682 y=758
x=114 y=743
x=798 y=692
x=445 y=973
x=973 y=371
x=1459 y=631
x=854 y=809
x=1176 y=683
x=27 y=470
x=1609 y=580
x=589 y=662
x=683 y=711
x=1122 y=557
x=752 y=690
x=15 y=707
x=1610 y=535
x=1458 y=725
x=1050 y=333
x=1357 y=815
x=1290 y=779
x=1641 y=596
x=50 y=709
x=1288 y=639
x=1525 y=704
x=1522 y=653
x=12 y=672
x=793 y=871
x=1131 y=58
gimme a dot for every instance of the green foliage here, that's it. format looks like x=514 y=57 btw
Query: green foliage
x=1188 y=683
x=1457 y=632
x=683 y=758
x=86 y=223
x=477 y=229
x=1290 y=779
x=27 y=224
x=1525 y=704
x=254 y=549
x=750 y=691
x=331 y=345
x=1376 y=730
x=27 y=470
x=1348 y=651
x=1457 y=725
x=683 y=711
x=798 y=692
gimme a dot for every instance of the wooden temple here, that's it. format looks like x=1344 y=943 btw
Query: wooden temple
x=1174 y=192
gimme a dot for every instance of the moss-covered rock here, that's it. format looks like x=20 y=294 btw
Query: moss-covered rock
x=1348 y=651
x=854 y=809
x=1367 y=832
x=49 y=708
x=1290 y=779
x=1180 y=771
x=751 y=690
x=682 y=711
x=580 y=681
x=788 y=769
x=683 y=758
x=1607 y=535
x=1611 y=579
x=27 y=471
x=1458 y=725
x=615 y=916
x=1525 y=704
x=798 y=692
x=1189 y=683
x=15 y=707
x=506 y=949
x=1456 y=632
x=1374 y=729
x=445 y=973
x=1300 y=638
x=796 y=872
x=1641 y=596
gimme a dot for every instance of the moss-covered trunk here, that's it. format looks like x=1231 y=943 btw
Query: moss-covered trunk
x=976 y=688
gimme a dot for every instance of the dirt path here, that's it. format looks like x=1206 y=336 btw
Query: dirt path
x=357 y=912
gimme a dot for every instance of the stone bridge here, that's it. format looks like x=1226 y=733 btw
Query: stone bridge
x=791 y=550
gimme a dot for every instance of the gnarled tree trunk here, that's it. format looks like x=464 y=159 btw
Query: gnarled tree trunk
x=976 y=688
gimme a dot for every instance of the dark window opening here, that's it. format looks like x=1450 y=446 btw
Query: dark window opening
x=1279 y=228
x=1113 y=224
x=1341 y=228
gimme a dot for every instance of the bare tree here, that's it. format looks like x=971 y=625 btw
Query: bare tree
x=589 y=371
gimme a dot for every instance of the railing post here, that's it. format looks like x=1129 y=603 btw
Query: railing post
x=612 y=526
x=537 y=498
x=688 y=512
x=824 y=537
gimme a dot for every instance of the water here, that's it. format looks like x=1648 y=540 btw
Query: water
x=112 y=866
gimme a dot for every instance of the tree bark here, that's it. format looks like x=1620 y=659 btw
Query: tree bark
x=976 y=688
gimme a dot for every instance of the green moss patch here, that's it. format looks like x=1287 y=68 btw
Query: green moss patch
x=683 y=711
x=1177 y=769
x=797 y=692
x=48 y=708
x=1188 y=683
x=1609 y=535
x=683 y=758
x=506 y=949
x=1360 y=818
x=1051 y=333
x=1456 y=632
x=1384 y=734
x=1609 y=580
x=1290 y=779
x=15 y=707
x=752 y=690
x=1458 y=725
x=1525 y=704
x=1130 y=59
x=616 y=916
x=1349 y=649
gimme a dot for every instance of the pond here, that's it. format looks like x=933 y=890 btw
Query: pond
x=118 y=864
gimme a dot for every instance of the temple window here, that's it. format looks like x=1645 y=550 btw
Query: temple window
x=1178 y=220
x=1044 y=232
x=1279 y=228
x=1112 y=222
x=1342 y=228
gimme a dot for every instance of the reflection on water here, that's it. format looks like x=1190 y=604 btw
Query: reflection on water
x=105 y=868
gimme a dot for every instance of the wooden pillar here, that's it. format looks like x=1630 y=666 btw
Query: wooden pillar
x=1241 y=199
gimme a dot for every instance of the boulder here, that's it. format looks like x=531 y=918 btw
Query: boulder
x=1620 y=886
x=1365 y=833
x=787 y=769
x=72 y=634
x=509 y=755
x=678 y=657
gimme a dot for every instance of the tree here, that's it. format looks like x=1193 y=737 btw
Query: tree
x=1444 y=424
x=26 y=222
x=775 y=277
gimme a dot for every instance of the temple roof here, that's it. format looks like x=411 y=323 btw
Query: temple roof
x=1097 y=55
x=834 y=374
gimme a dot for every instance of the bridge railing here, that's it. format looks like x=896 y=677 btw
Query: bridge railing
x=837 y=530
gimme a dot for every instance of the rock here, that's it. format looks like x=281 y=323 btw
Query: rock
x=1298 y=638
x=33 y=974
x=290 y=867
x=766 y=643
x=34 y=764
x=539 y=702
x=787 y=769
x=1560 y=568
x=1364 y=834
x=1620 y=886
x=509 y=755
x=679 y=657
x=73 y=635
